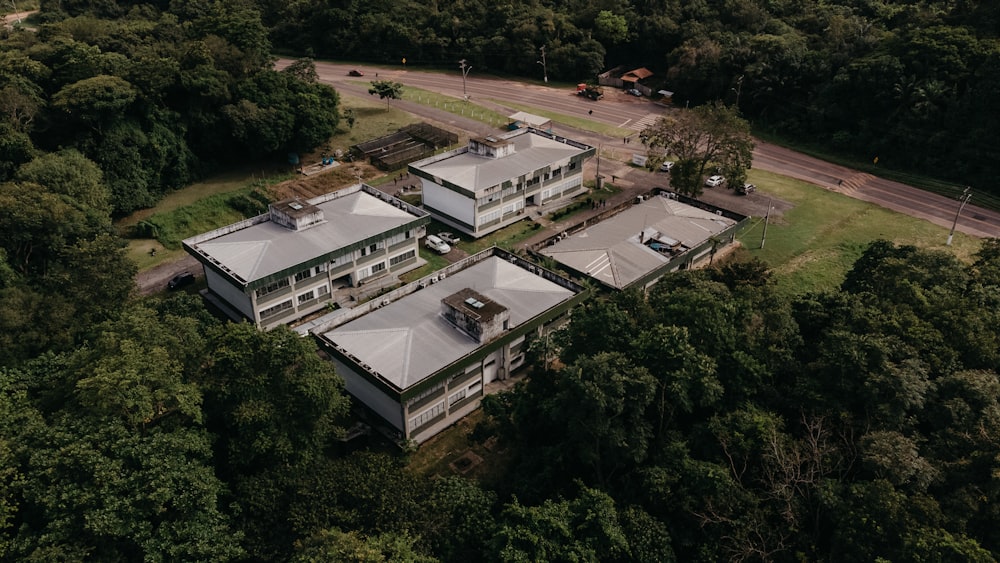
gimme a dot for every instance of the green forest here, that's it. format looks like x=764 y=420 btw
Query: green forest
x=712 y=419
x=915 y=83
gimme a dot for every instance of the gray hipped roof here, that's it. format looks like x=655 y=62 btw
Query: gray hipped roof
x=611 y=251
x=532 y=151
x=408 y=340
x=265 y=248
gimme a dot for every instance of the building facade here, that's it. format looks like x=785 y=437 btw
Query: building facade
x=280 y=266
x=500 y=179
x=423 y=356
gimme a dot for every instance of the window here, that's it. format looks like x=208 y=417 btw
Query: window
x=371 y=248
x=427 y=415
x=456 y=397
x=341 y=260
x=323 y=290
x=271 y=288
x=304 y=275
x=400 y=258
x=275 y=309
x=426 y=393
x=307 y=296
x=376 y=268
x=489 y=198
x=491 y=216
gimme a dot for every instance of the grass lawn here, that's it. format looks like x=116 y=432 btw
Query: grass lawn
x=505 y=238
x=455 y=105
x=434 y=263
x=812 y=245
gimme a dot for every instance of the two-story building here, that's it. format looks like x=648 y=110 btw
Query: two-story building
x=287 y=263
x=424 y=355
x=496 y=180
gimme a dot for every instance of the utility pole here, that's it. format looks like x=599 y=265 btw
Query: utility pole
x=964 y=198
x=598 y=178
x=465 y=71
x=545 y=72
x=763 y=235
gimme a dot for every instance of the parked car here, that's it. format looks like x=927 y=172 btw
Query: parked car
x=180 y=280
x=355 y=72
x=634 y=92
x=716 y=180
x=449 y=238
x=666 y=166
x=746 y=189
x=437 y=245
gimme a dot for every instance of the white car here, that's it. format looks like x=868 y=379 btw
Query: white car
x=634 y=92
x=437 y=245
x=716 y=180
x=449 y=238
x=666 y=166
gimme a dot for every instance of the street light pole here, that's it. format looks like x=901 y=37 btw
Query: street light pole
x=545 y=71
x=763 y=235
x=465 y=71
x=964 y=198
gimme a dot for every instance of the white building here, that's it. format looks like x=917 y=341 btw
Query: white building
x=424 y=355
x=287 y=263
x=636 y=247
x=495 y=180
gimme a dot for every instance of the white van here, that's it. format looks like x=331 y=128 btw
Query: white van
x=437 y=245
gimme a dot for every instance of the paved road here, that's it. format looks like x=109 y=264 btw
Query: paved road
x=628 y=112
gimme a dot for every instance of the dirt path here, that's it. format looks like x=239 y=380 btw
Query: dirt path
x=154 y=280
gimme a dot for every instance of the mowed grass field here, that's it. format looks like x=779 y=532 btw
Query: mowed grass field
x=813 y=243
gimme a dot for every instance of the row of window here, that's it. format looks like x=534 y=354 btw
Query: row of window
x=271 y=288
x=313 y=294
x=340 y=261
x=275 y=309
x=510 y=190
x=464 y=392
x=400 y=258
x=427 y=415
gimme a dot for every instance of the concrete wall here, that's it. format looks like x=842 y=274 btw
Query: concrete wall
x=230 y=293
x=373 y=398
x=449 y=202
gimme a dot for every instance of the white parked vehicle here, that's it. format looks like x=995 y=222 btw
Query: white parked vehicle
x=437 y=245
x=449 y=238
x=666 y=166
x=716 y=180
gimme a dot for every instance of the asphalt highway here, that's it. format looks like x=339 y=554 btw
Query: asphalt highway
x=628 y=112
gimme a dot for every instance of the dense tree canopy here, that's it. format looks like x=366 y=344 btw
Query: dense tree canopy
x=712 y=418
x=711 y=137
x=154 y=95
x=849 y=425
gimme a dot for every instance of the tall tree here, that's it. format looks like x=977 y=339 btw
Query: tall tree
x=712 y=136
x=386 y=90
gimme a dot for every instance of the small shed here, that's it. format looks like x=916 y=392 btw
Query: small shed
x=520 y=120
